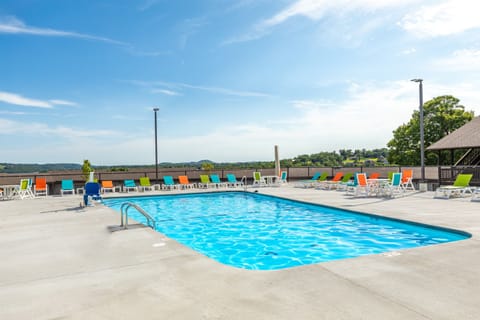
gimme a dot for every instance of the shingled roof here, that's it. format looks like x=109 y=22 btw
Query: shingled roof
x=467 y=136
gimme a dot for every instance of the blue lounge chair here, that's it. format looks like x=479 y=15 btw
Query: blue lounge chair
x=92 y=191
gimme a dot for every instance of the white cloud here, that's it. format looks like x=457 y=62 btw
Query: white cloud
x=365 y=118
x=166 y=92
x=62 y=102
x=316 y=10
x=409 y=51
x=447 y=18
x=176 y=86
x=460 y=60
x=9 y=127
x=16 y=99
x=11 y=25
x=147 y=4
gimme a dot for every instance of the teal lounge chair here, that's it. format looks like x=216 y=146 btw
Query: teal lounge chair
x=459 y=188
x=394 y=187
x=168 y=183
x=67 y=187
x=216 y=180
x=129 y=185
x=232 y=181
x=309 y=182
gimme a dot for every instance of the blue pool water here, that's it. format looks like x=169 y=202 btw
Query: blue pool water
x=254 y=231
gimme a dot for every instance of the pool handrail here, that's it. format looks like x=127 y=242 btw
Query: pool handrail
x=128 y=205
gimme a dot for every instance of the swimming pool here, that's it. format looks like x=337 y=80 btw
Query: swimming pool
x=254 y=231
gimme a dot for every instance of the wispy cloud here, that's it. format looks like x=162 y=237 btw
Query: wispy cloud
x=166 y=92
x=443 y=19
x=62 y=102
x=408 y=51
x=12 y=25
x=147 y=4
x=15 y=113
x=190 y=27
x=9 y=127
x=314 y=10
x=175 y=87
x=16 y=99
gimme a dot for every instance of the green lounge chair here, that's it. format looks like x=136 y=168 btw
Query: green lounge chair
x=343 y=184
x=24 y=190
x=145 y=184
x=205 y=182
x=459 y=188
x=258 y=180
x=319 y=181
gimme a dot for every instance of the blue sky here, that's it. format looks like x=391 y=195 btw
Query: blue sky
x=231 y=79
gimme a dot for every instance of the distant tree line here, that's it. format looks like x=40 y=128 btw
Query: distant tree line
x=442 y=115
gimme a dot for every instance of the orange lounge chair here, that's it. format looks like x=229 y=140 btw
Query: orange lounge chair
x=362 y=187
x=41 y=187
x=374 y=175
x=107 y=185
x=326 y=184
x=184 y=183
x=407 y=180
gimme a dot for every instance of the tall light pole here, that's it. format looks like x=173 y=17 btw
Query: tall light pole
x=156 y=147
x=422 y=143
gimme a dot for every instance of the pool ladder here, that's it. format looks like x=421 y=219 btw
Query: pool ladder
x=124 y=211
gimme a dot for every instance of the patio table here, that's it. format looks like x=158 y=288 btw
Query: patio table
x=9 y=191
x=269 y=180
x=376 y=186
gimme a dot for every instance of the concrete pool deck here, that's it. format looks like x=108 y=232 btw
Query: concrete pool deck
x=60 y=261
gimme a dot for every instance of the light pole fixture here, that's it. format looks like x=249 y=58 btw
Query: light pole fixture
x=156 y=146
x=422 y=142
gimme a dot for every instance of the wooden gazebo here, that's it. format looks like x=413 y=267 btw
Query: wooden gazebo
x=467 y=139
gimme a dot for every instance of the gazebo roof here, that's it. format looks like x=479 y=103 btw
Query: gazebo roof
x=467 y=136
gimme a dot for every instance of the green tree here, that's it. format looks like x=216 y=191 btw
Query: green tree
x=207 y=166
x=442 y=115
x=86 y=169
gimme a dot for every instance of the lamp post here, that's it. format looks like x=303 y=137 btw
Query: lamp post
x=422 y=143
x=156 y=147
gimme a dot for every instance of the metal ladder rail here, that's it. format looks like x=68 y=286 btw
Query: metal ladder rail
x=124 y=211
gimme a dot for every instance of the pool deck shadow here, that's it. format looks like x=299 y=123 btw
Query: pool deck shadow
x=60 y=261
